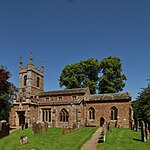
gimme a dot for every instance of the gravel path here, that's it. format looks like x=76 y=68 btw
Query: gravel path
x=91 y=144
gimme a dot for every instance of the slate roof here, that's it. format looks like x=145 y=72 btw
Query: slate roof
x=64 y=92
x=111 y=96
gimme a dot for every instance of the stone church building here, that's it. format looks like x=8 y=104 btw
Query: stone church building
x=71 y=108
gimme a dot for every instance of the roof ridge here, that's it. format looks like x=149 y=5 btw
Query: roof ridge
x=65 y=90
x=111 y=93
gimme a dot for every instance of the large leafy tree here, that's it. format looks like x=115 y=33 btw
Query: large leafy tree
x=86 y=74
x=82 y=74
x=112 y=79
x=6 y=91
x=141 y=105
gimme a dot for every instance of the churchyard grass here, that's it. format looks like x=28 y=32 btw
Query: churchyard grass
x=124 y=139
x=53 y=139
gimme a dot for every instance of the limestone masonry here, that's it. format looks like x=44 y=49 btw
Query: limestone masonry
x=70 y=108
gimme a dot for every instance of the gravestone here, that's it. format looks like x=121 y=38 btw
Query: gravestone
x=34 y=129
x=137 y=126
x=146 y=131
x=40 y=127
x=4 y=128
x=37 y=127
x=23 y=140
x=143 y=134
x=104 y=137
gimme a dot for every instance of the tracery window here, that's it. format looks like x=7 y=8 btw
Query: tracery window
x=64 y=115
x=91 y=113
x=114 y=113
x=25 y=80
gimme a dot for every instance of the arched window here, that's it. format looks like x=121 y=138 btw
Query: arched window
x=91 y=113
x=25 y=80
x=114 y=113
x=63 y=115
x=38 y=81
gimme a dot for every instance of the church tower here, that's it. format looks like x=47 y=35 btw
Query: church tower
x=31 y=79
x=24 y=108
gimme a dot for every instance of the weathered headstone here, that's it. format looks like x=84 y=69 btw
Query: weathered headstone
x=23 y=140
x=143 y=134
x=34 y=127
x=137 y=126
x=104 y=137
x=4 y=128
x=37 y=127
x=146 y=131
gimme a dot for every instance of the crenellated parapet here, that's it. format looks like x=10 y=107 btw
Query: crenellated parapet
x=27 y=68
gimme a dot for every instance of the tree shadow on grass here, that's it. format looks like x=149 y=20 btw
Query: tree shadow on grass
x=139 y=140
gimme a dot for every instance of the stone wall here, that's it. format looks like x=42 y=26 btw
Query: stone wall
x=76 y=116
x=4 y=128
x=103 y=110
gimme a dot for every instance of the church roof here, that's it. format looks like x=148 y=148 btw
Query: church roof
x=111 y=96
x=60 y=102
x=65 y=92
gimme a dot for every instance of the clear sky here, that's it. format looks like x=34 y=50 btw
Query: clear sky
x=62 y=32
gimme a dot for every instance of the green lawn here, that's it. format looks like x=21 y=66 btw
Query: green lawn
x=51 y=140
x=124 y=139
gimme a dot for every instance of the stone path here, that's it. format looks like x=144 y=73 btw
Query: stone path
x=92 y=143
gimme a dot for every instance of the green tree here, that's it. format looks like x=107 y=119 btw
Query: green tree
x=6 y=91
x=112 y=79
x=141 y=105
x=82 y=74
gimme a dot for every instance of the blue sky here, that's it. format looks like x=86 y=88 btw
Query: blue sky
x=62 y=32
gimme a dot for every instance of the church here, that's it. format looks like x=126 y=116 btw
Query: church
x=70 y=108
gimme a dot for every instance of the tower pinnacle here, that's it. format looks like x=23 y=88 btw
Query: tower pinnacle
x=42 y=68
x=20 y=62
x=31 y=59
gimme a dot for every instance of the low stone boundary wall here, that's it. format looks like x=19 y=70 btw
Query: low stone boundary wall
x=4 y=128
